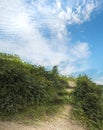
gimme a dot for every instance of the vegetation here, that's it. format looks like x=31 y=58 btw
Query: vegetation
x=30 y=91
x=88 y=103
x=23 y=85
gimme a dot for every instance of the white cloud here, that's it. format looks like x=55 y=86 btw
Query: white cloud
x=77 y=59
x=80 y=51
x=99 y=81
x=58 y=4
x=26 y=20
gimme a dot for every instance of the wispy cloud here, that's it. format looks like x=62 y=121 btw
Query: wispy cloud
x=99 y=81
x=37 y=31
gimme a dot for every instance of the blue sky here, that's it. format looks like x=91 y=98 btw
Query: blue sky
x=66 y=33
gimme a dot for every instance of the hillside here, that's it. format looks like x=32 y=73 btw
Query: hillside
x=23 y=84
x=30 y=93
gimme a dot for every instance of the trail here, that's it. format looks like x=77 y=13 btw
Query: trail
x=60 y=122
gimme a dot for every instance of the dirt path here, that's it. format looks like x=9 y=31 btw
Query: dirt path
x=61 y=122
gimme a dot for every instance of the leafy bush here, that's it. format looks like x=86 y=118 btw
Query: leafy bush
x=88 y=105
x=23 y=84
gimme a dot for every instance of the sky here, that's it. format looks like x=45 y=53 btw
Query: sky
x=66 y=33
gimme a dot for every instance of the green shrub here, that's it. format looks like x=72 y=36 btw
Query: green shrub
x=23 y=84
x=88 y=106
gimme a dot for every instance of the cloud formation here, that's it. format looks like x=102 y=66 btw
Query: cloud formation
x=99 y=81
x=37 y=31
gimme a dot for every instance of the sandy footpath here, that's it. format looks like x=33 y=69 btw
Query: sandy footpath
x=61 y=122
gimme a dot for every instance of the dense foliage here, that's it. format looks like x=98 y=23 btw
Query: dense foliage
x=23 y=84
x=88 y=103
x=32 y=90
